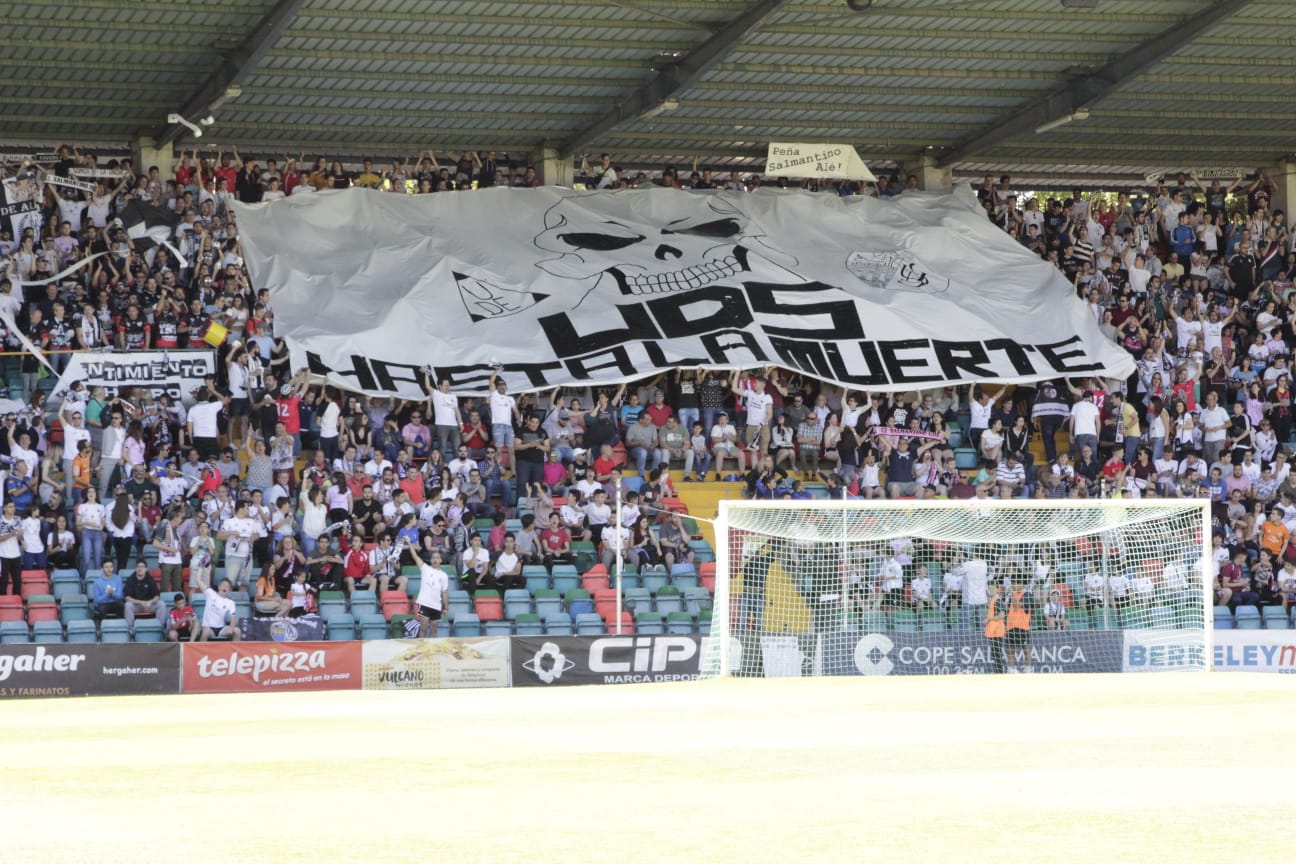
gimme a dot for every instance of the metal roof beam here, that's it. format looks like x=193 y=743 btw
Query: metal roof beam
x=1076 y=94
x=671 y=80
x=235 y=68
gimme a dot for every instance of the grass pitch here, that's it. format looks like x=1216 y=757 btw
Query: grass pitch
x=1107 y=768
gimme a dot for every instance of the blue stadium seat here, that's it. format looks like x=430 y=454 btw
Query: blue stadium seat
x=82 y=631
x=460 y=604
x=47 y=631
x=516 y=602
x=1161 y=618
x=341 y=628
x=113 y=631
x=696 y=599
x=654 y=578
x=74 y=607
x=363 y=602
x=565 y=578
x=14 y=633
x=1275 y=618
x=537 y=578
x=557 y=625
x=373 y=626
x=637 y=600
x=498 y=628
x=589 y=624
x=1247 y=618
x=148 y=630
x=467 y=625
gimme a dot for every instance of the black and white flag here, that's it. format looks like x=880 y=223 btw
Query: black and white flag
x=150 y=227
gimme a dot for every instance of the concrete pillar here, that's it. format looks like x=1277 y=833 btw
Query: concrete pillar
x=552 y=168
x=933 y=177
x=1284 y=178
x=144 y=155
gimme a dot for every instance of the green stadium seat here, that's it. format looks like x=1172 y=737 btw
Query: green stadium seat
x=650 y=623
x=874 y=622
x=933 y=621
x=548 y=602
x=396 y=626
x=669 y=600
x=704 y=622
x=332 y=603
x=530 y=624
x=679 y=623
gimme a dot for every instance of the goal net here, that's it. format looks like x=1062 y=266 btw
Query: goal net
x=951 y=587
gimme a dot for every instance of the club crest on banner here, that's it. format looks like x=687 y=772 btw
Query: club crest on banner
x=895 y=271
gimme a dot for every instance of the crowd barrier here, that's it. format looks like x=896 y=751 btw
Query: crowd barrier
x=43 y=670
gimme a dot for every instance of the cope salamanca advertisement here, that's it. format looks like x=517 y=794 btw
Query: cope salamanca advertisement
x=561 y=287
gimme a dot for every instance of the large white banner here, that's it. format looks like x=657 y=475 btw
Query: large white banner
x=563 y=287
x=177 y=373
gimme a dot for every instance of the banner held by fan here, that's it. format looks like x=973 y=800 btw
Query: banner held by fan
x=829 y=161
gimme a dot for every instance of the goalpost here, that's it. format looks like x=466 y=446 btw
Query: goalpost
x=826 y=587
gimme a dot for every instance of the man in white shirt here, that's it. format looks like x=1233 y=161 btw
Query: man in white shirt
x=220 y=615
x=239 y=532
x=446 y=418
x=330 y=425
x=981 y=407
x=462 y=465
x=760 y=412
x=74 y=432
x=434 y=592
x=1214 y=422
x=503 y=413
x=724 y=445
x=976 y=587
x=202 y=425
x=1084 y=422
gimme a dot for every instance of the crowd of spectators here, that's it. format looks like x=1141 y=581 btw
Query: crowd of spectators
x=268 y=470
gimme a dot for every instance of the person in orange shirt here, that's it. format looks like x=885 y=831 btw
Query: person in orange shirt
x=1020 y=601
x=80 y=472
x=1274 y=535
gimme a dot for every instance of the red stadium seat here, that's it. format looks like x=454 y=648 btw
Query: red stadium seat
x=11 y=608
x=42 y=610
x=489 y=606
x=594 y=582
x=707 y=575
x=605 y=603
x=394 y=603
x=627 y=623
x=34 y=589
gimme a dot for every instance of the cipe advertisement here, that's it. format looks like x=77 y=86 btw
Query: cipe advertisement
x=435 y=664
x=88 y=670
x=1255 y=651
x=847 y=653
x=566 y=660
x=241 y=667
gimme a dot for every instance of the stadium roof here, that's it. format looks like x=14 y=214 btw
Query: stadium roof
x=1168 y=84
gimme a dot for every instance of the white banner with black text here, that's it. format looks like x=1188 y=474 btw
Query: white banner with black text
x=564 y=287
x=177 y=373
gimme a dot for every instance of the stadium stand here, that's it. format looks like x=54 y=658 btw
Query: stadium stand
x=1194 y=278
